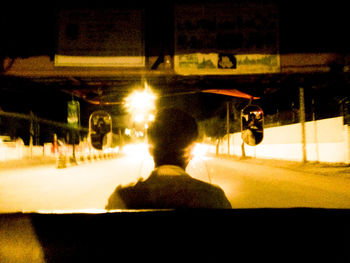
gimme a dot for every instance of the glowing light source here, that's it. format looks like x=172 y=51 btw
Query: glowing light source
x=141 y=106
x=141 y=101
x=127 y=131
x=151 y=117
x=139 y=117
x=137 y=151
x=200 y=150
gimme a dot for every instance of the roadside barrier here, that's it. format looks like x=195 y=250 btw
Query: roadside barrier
x=63 y=161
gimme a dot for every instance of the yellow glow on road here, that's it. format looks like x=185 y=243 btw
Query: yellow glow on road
x=137 y=151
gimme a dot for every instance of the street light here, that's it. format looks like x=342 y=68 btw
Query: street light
x=141 y=101
x=141 y=106
x=139 y=118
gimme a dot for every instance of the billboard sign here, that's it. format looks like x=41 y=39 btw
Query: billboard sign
x=223 y=64
x=73 y=113
x=226 y=38
x=100 y=38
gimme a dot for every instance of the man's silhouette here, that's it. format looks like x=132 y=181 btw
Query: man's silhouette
x=171 y=137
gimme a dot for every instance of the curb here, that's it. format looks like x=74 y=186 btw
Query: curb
x=64 y=161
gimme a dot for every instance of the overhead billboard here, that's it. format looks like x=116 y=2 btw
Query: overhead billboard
x=217 y=64
x=100 y=38
x=226 y=38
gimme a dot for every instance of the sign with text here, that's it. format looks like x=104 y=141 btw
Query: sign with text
x=226 y=64
x=100 y=38
x=73 y=113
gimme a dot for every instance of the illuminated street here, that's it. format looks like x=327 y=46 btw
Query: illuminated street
x=246 y=184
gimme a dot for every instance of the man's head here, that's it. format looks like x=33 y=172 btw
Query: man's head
x=171 y=135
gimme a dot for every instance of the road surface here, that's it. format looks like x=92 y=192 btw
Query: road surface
x=246 y=184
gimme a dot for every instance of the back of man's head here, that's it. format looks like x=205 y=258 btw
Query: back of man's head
x=172 y=130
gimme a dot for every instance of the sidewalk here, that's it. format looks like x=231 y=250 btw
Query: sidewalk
x=27 y=162
x=319 y=168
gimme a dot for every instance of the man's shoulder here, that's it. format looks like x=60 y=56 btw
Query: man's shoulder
x=170 y=191
x=203 y=185
x=122 y=193
x=207 y=195
x=187 y=183
x=184 y=182
x=208 y=188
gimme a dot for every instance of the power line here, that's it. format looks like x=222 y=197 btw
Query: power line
x=41 y=120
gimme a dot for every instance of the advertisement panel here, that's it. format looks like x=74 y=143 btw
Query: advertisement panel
x=100 y=38
x=226 y=38
x=226 y=64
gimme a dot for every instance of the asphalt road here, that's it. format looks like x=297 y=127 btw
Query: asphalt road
x=247 y=184
x=255 y=185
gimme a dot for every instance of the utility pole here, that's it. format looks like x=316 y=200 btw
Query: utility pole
x=121 y=140
x=315 y=129
x=228 y=126
x=31 y=133
x=302 y=122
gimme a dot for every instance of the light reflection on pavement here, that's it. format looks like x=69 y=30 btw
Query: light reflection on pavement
x=88 y=185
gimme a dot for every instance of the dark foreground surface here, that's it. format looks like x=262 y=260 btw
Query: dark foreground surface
x=239 y=235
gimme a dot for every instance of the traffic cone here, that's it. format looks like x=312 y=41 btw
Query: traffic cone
x=61 y=161
x=73 y=160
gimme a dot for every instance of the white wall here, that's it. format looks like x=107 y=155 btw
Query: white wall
x=327 y=140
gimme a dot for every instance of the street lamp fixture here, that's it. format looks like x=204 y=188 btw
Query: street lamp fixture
x=141 y=107
x=141 y=101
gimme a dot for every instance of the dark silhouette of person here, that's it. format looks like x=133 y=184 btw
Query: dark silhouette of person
x=171 y=139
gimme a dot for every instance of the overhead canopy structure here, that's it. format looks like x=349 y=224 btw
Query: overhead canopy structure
x=226 y=92
x=232 y=93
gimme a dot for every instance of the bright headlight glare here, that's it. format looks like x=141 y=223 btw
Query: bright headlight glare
x=200 y=150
